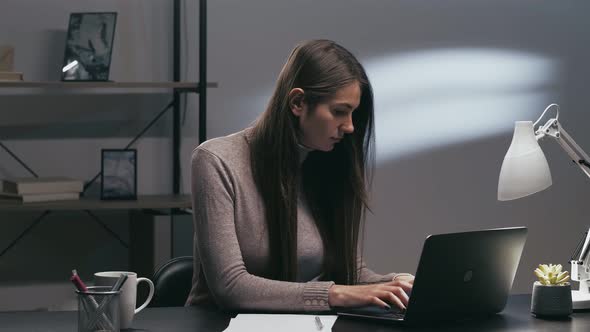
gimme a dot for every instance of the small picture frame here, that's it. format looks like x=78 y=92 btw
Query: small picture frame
x=89 y=46
x=118 y=176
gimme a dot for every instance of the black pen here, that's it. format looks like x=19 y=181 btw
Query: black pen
x=117 y=286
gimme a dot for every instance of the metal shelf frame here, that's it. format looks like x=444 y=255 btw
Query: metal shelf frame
x=175 y=203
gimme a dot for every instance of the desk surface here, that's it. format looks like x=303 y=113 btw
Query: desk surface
x=516 y=317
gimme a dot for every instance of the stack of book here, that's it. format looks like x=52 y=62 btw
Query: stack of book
x=29 y=190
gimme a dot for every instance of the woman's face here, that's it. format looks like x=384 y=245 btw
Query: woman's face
x=324 y=126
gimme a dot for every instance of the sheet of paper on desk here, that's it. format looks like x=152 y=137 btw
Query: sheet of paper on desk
x=276 y=322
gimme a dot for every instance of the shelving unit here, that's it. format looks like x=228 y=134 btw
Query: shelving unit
x=178 y=86
x=142 y=202
x=174 y=202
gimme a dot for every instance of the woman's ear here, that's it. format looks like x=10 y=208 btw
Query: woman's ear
x=296 y=101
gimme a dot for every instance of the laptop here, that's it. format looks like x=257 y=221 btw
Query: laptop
x=460 y=276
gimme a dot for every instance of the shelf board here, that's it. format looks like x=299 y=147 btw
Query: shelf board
x=142 y=202
x=190 y=86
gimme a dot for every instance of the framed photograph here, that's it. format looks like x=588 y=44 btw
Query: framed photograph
x=89 y=45
x=118 y=176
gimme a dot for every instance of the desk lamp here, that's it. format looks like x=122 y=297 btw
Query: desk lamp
x=525 y=171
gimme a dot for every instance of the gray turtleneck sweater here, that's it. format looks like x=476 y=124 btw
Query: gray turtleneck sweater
x=231 y=247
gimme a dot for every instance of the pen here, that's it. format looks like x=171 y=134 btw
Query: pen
x=116 y=287
x=318 y=323
x=81 y=287
x=75 y=279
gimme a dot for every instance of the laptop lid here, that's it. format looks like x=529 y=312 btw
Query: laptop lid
x=462 y=275
x=465 y=274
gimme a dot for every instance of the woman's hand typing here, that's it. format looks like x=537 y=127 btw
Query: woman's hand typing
x=392 y=292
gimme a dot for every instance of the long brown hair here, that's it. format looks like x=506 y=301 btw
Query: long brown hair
x=334 y=183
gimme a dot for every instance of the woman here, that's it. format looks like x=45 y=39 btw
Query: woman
x=278 y=207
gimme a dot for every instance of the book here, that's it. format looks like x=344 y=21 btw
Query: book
x=8 y=76
x=44 y=185
x=287 y=322
x=31 y=198
x=6 y=58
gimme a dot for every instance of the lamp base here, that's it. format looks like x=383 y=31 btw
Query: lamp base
x=580 y=300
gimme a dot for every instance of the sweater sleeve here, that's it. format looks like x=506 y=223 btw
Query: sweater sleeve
x=367 y=276
x=230 y=284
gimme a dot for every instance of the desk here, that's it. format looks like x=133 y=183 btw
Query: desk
x=516 y=317
x=174 y=319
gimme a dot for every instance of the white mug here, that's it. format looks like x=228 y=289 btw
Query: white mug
x=128 y=293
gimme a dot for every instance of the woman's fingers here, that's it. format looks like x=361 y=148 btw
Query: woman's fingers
x=382 y=295
x=393 y=299
x=402 y=295
x=399 y=293
x=395 y=295
x=378 y=302
x=407 y=278
x=406 y=286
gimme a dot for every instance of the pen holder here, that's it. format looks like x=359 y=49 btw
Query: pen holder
x=98 y=310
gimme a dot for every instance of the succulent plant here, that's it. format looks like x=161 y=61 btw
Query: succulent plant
x=551 y=275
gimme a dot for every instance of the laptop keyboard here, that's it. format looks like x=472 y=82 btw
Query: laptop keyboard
x=392 y=315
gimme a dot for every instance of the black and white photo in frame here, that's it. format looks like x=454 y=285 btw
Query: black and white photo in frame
x=118 y=174
x=89 y=46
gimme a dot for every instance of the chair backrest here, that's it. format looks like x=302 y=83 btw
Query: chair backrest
x=173 y=282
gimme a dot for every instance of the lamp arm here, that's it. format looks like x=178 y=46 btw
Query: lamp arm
x=579 y=157
x=583 y=248
x=554 y=129
x=580 y=262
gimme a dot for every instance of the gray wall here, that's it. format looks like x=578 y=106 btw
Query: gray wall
x=450 y=78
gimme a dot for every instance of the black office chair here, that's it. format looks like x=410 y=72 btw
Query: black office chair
x=173 y=282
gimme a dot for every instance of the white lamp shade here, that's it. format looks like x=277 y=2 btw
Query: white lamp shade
x=525 y=170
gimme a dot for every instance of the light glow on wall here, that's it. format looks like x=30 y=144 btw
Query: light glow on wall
x=434 y=98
